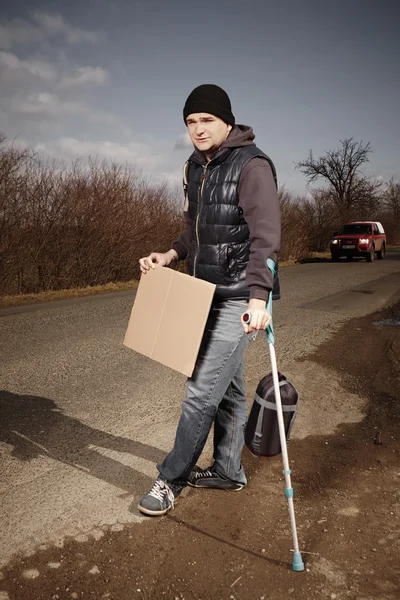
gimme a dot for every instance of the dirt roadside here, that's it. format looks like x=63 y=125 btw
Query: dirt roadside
x=219 y=545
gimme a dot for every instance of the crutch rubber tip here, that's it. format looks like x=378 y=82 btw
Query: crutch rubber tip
x=297 y=564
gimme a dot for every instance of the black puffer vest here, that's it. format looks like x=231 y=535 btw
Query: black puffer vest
x=220 y=248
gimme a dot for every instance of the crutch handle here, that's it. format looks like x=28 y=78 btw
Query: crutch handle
x=270 y=329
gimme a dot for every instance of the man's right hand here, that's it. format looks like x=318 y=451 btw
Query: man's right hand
x=157 y=258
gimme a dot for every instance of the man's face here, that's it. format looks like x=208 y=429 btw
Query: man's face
x=207 y=132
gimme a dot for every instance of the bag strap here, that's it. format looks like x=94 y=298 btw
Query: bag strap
x=185 y=185
x=272 y=405
x=270 y=329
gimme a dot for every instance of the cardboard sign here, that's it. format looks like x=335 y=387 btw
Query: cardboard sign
x=168 y=318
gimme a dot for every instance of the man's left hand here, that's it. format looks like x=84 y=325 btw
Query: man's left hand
x=260 y=317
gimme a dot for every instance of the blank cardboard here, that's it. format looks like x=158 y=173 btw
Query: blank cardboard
x=168 y=318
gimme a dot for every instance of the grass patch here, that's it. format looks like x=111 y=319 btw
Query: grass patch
x=287 y=263
x=313 y=257
x=316 y=257
x=62 y=294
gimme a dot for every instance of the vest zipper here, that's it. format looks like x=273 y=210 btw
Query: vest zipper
x=203 y=177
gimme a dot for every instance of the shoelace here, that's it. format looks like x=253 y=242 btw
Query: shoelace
x=204 y=473
x=160 y=489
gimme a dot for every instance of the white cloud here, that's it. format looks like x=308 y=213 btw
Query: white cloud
x=138 y=154
x=19 y=32
x=46 y=104
x=45 y=93
x=174 y=178
x=183 y=142
x=49 y=98
x=54 y=25
x=36 y=67
x=14 y=70
x=152 y=159
x=85 y=76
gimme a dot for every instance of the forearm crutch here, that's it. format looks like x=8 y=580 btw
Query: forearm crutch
x=297 y=564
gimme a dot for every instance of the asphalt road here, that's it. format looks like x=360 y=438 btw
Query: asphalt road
x=84 y=420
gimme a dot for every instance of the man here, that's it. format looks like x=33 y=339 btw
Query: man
x=232 y=227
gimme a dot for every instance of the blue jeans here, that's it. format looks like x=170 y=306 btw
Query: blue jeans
x=214 y=394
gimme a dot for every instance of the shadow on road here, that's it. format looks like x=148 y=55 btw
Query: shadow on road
x=220 y=540
x=35 y=426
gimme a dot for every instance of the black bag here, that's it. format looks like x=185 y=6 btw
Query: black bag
x=262 y=431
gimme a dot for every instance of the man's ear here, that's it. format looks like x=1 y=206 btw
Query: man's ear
x=229 y=129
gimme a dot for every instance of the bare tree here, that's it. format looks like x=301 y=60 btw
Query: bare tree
x=391 y=211
x=321 y=219
x=349 y=188
x=391 y=199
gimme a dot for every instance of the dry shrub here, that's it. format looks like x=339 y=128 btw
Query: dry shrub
x=294 y=244
x=62 y=228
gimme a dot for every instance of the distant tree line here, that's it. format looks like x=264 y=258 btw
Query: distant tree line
x=88 y=224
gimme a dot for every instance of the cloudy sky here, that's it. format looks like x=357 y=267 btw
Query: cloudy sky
x=110 y=77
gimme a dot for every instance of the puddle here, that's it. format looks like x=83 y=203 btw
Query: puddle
x=387 y=323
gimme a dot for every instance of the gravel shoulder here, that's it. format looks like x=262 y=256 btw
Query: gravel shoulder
x=218 y=545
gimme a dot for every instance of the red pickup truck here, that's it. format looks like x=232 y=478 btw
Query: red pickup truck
x=359 y=238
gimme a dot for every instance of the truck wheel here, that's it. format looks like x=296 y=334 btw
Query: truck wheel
x=335 y=258
x=371 y=254
x=381 y=253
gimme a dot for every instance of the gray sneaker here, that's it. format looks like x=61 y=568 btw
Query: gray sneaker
x=159 y=500
x=210 y=478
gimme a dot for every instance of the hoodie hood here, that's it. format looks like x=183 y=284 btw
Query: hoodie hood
x=241 y=135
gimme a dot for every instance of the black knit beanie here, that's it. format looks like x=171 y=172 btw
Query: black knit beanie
x=212 y=99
